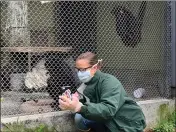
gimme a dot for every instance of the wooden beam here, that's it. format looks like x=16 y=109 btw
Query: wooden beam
x=35 y=49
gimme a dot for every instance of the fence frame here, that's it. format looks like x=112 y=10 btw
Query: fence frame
x=173 y=49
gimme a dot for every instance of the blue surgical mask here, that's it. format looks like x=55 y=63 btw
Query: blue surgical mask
x=84 y=76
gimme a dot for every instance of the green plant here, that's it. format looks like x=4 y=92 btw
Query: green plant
x=20 y=127
x=44 y=128
x=165 y=127
x=167 y=118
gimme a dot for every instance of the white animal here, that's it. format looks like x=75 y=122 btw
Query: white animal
x=38 y=77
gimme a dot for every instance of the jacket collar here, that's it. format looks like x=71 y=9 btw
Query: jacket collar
x=94 y=78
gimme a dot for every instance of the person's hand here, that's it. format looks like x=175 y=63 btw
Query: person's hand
x=68 y=104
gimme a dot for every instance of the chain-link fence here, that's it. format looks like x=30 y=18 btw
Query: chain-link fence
x=40 y=41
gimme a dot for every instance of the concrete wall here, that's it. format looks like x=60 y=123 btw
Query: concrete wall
x=64 y=120
x=3 y=18
x=40 y=17
x=151 y=108
x=148 y=54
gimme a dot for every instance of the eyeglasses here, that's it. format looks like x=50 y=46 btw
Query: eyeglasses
x=82 y=69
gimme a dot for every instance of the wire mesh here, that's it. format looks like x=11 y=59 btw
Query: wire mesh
x=40 y=41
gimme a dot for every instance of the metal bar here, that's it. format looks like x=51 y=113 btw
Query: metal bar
x=35 y=49
x=173 y=43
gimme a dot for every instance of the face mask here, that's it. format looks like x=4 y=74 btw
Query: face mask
x=84 y=76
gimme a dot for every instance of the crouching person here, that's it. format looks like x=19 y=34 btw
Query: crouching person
x=101 y=103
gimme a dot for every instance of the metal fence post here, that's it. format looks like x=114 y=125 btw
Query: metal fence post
x=173 y=43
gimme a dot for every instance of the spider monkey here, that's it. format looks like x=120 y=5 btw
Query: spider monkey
x=128 y=26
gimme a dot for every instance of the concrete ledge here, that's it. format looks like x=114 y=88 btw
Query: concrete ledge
x=153 y=101
x=150 y=109
x=64 y=119
x=34 y=117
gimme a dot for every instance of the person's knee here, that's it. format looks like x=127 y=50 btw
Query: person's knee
x=79 y=122
x=78 y=118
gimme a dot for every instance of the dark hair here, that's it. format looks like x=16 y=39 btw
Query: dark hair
x=93 y=58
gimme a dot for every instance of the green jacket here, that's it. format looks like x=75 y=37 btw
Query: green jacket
x=106 y=101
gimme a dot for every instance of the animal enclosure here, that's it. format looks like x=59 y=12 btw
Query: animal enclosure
x=40 y=41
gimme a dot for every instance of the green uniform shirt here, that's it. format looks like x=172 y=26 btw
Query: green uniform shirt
x=108 y=103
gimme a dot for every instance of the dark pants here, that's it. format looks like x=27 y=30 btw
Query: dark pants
x=83 y=124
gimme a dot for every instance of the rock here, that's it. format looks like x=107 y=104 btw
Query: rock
x=17 y=81
x=42 y=105
x=12 y=101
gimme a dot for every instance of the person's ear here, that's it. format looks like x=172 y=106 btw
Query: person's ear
x=95 y=67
